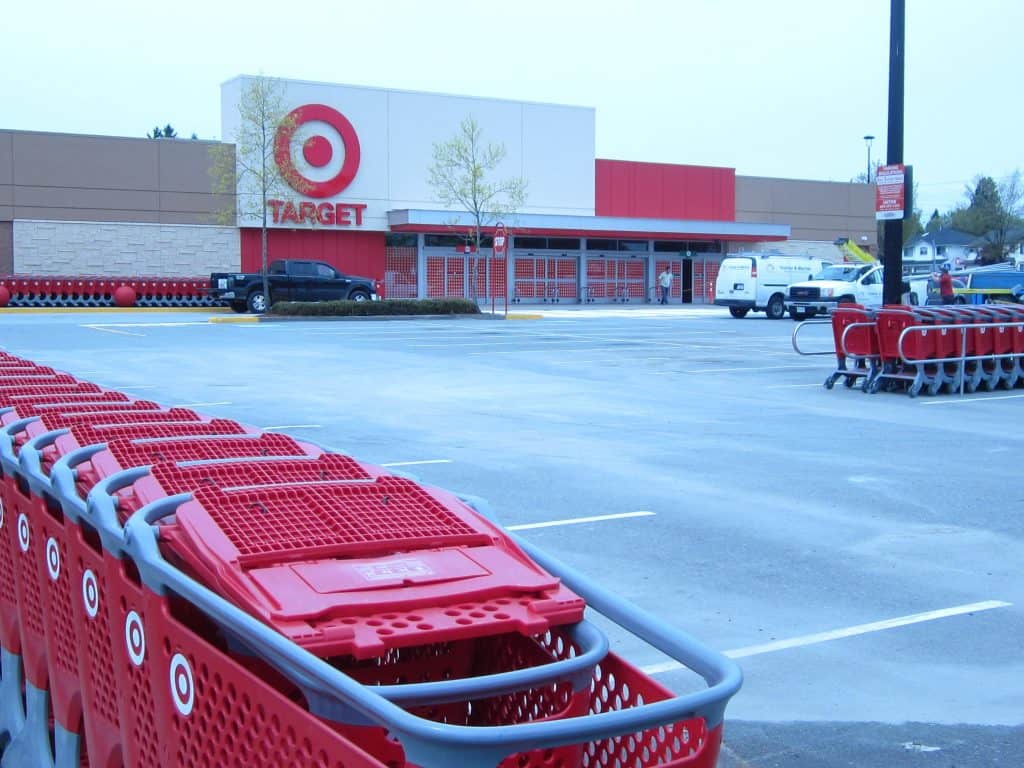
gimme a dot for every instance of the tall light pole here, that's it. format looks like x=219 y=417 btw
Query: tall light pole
x=867 y=140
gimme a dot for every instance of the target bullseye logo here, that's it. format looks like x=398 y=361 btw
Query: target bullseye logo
x=90 y=594
x=23 y=532
x=52 y=558
x=183 y=689
x=135 y=638
x=318 y=132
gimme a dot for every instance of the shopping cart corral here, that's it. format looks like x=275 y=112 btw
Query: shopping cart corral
x=925 y=349
x=177 y=590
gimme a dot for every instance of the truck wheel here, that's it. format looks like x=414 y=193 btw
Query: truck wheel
x=257 y=302
x=237 y=306
x=776 y=307
x=359 y=295
x=738 y=312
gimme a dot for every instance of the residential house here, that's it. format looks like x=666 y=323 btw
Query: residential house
x=930 y=250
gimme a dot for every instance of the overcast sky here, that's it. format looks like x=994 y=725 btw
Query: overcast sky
x=785 y=88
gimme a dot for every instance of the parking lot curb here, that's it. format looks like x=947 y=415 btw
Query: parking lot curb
x=336 y=318
x=101 y=310
x=238 y=319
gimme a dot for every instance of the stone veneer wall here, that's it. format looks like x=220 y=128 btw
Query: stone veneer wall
x=113 y=249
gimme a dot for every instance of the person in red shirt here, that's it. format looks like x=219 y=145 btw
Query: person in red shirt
x=946 y=286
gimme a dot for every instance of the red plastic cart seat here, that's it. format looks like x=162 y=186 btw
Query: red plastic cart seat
x=341 y=567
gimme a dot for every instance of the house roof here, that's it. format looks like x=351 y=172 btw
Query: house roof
x=943 y=236
x=1013 y=236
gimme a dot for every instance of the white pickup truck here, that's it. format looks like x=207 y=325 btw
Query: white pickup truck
x=857 y=283
x=841 y=283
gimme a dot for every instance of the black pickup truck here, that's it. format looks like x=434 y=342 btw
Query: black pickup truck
x=290 y=280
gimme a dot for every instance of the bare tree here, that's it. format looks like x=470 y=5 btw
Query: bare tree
x=460 y=176
x=248 y=169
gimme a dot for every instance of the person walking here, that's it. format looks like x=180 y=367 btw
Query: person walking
x=665 y=281
x=946 y=286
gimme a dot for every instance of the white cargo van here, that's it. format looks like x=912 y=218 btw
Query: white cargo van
x=758 y=281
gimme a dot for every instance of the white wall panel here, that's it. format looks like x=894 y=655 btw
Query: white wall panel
x=551 y=146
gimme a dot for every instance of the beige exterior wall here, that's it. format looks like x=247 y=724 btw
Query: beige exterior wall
x=55 y=188
x=68 y=177
x=819 y=212
x=6 y=247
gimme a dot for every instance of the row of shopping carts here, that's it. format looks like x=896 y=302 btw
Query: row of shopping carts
x=181 y=590
x=934 y=349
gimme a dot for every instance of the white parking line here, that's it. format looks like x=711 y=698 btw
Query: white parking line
x=579 y=520
x=756 y=368
x=970 y=400
x=837 y=634
x=412 y=463
x=112 y=330
x=103 y=326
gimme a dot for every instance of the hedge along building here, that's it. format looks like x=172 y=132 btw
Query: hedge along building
x=590 y=230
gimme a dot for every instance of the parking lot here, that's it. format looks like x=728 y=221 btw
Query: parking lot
x=859 y=555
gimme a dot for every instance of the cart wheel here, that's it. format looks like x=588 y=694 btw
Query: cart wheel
x=872 y=387
x=849 y=381
x=831 y=381
x=914 y=388
x=935 y=387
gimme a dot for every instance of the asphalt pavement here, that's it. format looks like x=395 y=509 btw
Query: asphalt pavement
x=858 y=555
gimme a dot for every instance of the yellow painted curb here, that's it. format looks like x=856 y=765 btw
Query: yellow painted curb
x=107 y=310
x=523 y=316
x=238 y=319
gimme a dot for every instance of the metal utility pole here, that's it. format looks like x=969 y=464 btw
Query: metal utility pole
x=892 y=289
x=867 y=140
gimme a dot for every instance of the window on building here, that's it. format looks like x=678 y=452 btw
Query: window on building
x=600 y=244
x=632 y=245
x=530 y=242
x=443 y=241
x=400 y=240
x=923 y=250
x=682 y=246
x=563 y=243
x=940 y=250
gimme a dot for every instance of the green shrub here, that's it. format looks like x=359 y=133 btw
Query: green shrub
x=368 y=308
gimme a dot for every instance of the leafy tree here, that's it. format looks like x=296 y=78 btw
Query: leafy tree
x=461 y=177
x=992 y=211
x=167 y=132
x=934 y=222
x=248 y=170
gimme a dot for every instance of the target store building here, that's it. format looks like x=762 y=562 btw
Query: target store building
x=356 y=164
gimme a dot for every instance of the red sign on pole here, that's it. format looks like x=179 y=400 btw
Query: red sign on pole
x=500 y=239
x=890 y=192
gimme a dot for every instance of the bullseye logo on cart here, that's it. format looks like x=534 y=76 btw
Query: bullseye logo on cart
x=317 y=153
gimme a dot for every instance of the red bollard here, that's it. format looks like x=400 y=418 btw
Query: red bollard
x=124 y=296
